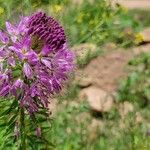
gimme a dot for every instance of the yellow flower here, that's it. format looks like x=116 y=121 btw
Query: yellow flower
x=1 y=10
x=57 y=8
x=139 y=38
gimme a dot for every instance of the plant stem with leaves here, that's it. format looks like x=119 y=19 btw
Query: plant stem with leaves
x=22 y=129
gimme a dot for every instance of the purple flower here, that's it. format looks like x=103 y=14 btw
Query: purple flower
x=32 y=57
x=3 y=52
x=35 y=61
x=5 y=90
x=4 y=37
x=18 y=84
x=3 y=78
x=12 y=30
x=46 y=62
x=11 y=61
x=48 y=30
x=21 y=48
x=27 y=70
x=46 y=50
x=22 y=26
x=16 y=30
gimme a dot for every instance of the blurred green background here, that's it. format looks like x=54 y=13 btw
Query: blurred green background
x=88 y=21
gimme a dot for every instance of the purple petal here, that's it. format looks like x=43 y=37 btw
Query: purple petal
x=14 y=38
x=46 y=50
x=22 y=25
x=3 y=77
x=33 y=91
x=27 y=70
x=5 y=90
x=47 y=63
x=18 y=84
x=3 y=52
x=32 y=57
x=26 y=44
x=11 y=28
x=4 y=37
x=27 y=101
x=38 y=132
x=17 y=51
x=56 y=85
x=11 y=61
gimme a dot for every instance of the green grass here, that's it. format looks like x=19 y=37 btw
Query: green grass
x=136 y=87
x=71 y=131
x=83 y=23
x=141 y=16
x=72 y=128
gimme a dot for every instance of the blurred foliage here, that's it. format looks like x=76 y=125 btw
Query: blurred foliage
x=136 y=87
x=97 y=22
x=69 y=132
x=141 y=16
x=88 y=21
x=83 y=61
x=73 y=129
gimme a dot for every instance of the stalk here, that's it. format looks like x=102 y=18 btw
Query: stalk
x=22 y=129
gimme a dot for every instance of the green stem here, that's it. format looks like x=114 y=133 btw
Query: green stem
x=22 y=129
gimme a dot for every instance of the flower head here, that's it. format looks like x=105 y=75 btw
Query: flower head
x=47 y=31
x=35 y=60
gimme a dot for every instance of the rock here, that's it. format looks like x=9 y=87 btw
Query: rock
x=102 y=69
x=141 y=49
x=125 y=108
x=82 y=49
x=84 y=82
x=99 y=100
x=146 y=35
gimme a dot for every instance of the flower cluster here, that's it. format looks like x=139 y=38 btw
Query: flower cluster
x=34 y=60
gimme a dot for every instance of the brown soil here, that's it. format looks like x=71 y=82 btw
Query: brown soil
x=106 y=71
x=134 y=4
